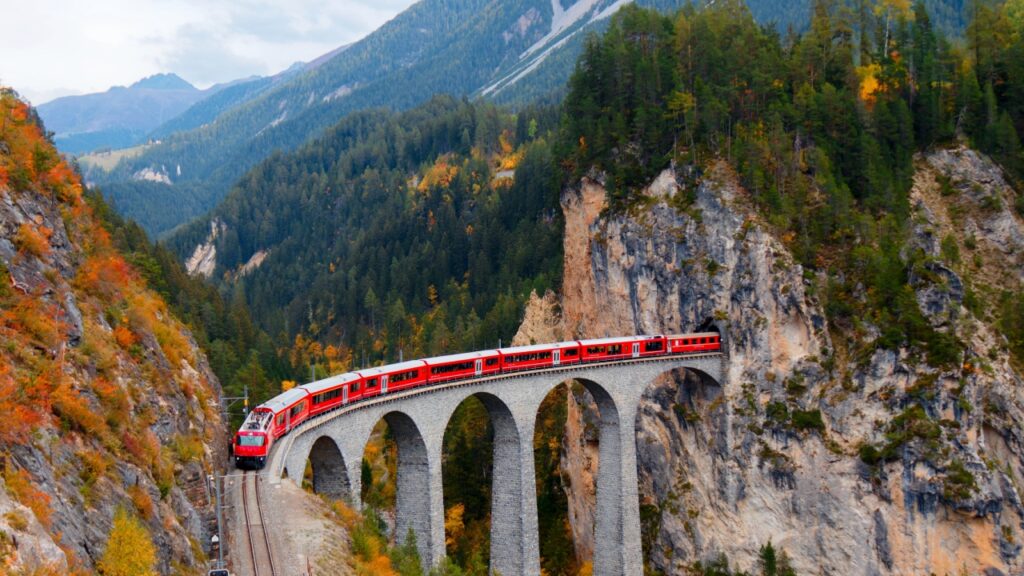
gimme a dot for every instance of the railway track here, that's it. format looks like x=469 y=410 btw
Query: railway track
x=260 y=553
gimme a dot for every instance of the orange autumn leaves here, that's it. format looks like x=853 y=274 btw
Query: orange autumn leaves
x=29 y=158
x=37 y=382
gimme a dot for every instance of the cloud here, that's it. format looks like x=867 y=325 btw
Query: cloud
x=61 y=46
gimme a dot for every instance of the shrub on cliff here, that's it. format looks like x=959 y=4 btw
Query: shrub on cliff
x=130 y=550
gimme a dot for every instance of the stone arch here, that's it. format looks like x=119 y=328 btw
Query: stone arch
x=507 y=518
x=678 y=412
x=413 y=484
x=610 y=553
x=330 y=475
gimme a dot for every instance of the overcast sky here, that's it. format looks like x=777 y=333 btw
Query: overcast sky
x=52 y=48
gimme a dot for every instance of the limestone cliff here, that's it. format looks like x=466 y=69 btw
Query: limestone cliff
x=726 y=469
x=106 y=400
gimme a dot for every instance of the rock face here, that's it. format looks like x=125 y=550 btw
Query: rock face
x=203 y=260
x=118 y=406
x=724 y=467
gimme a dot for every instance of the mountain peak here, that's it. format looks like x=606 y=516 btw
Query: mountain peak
x=163 y=82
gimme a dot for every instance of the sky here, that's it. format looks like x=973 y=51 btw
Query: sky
x=53 y=48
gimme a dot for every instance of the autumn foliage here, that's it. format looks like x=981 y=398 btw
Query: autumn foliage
x=130 y=550
x=80 y=346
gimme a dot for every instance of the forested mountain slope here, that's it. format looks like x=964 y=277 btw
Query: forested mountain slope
x=511 y=51
x=111 y=416
x=394 y=231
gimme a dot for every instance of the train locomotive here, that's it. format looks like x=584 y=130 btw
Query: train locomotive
x=276 y=417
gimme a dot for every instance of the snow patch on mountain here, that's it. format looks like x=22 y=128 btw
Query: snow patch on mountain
x=565 y=24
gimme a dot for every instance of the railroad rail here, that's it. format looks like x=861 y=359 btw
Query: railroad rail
x=260 y=552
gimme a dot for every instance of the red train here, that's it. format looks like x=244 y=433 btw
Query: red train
x=276 y=417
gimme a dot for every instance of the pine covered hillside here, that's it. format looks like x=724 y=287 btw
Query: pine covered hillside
x=111 y=415
x=393 y=232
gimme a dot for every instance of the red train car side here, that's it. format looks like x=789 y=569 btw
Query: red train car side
x=539 y=356
x=394 y=377
x=290 y=409
x=605 y=349
x=700 y=342
x=332 y=392
x=460 y=366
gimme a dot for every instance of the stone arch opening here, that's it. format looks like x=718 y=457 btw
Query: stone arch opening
x=576 y=448
x=482 y=490
x=681 y=428
x=395 y=480
x=326 y=470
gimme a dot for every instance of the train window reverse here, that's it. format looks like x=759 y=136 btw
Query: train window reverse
x=652 y=346
x=355 y=386
x=280 y=419
x=371 y=383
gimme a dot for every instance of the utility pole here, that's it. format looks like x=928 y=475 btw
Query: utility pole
x=218 y=538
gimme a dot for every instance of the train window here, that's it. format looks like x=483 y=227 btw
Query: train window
x=450 y=368
x=355 y=386
x=298 y=408
x=596 y=350
x=251 y=440
x=328 y=396
x=280 y=419
x=653 y=346
x=615 y=349
x=492 y=361
x=371 y=383
x=402 y=377
x=570 y=352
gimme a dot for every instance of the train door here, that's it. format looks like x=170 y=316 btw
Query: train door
x=344 y=394
x=384 y=384
x=636 y=349
x=479 y=367
x=556 y=357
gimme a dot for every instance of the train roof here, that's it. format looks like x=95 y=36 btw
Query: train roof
x=460 y=357
x=370 y=372
x=328 y=383
x=694 y=334
x=285 y=399
x=538 y=347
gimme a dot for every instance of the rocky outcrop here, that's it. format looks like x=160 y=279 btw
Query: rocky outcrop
x=772 y=453
x=203 y=260
x=542 y=321
x=116 y=406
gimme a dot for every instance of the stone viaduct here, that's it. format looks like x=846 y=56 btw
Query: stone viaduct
x=334 y=444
